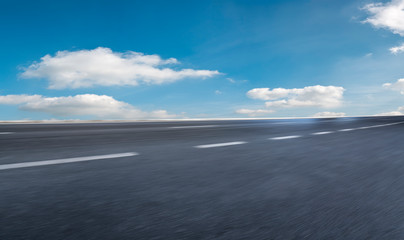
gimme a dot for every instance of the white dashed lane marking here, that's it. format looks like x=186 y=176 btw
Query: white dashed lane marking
x=285 y=137
x=220 y=144
x=321 y=133
x=346 y=130
x=65 y=160
x=186 y=127
x=281 y=137
x=3 y=133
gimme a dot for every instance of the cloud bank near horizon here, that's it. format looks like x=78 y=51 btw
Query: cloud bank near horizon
x=398 y=112
x=329 y=114
x=100 y=106
x=310 y=96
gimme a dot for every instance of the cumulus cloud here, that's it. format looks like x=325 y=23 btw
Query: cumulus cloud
x=267 y=94
x=254 y=112
x=398 y=112
x=388 y=15
x=397 y=86
x=311 y=96
x=329 y=114
x=100 y=106
x=103 y=67
x=398 y=49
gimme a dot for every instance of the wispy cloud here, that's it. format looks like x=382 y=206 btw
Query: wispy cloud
x=398 y=49
x=397 y=86
x=100 y=106
x=231 y=80
x=103 y=67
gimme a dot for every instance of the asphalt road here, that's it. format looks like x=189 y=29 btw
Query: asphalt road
x=249 y=179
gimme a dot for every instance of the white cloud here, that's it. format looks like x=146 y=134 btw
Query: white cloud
x=398 y=49
x=329 y=114
x=311 y=96
x=399 y=111
x=218 y=92
x=397 y=86
x=103 y=67
x=389 y=15
x=100 y=106
x=254 y=112
x=267 y=94
x=18 y=99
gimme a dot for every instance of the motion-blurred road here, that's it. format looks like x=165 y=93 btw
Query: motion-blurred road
x=241 y=179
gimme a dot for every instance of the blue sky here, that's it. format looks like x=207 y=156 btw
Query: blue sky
x=200 y=59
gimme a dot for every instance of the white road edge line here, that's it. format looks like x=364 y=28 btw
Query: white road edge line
x=201 y=126
x=6 y=132
x=220 y=144
x=381 y=125
x=65 y=160
x=365 y=127
x=285 y=137
x=322 y=133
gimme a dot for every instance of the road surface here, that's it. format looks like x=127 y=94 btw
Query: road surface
x=241 y=179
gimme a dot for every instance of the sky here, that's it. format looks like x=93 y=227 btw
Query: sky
x=200 y=59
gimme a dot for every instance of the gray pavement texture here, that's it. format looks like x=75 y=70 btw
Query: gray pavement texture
x=342 y=185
